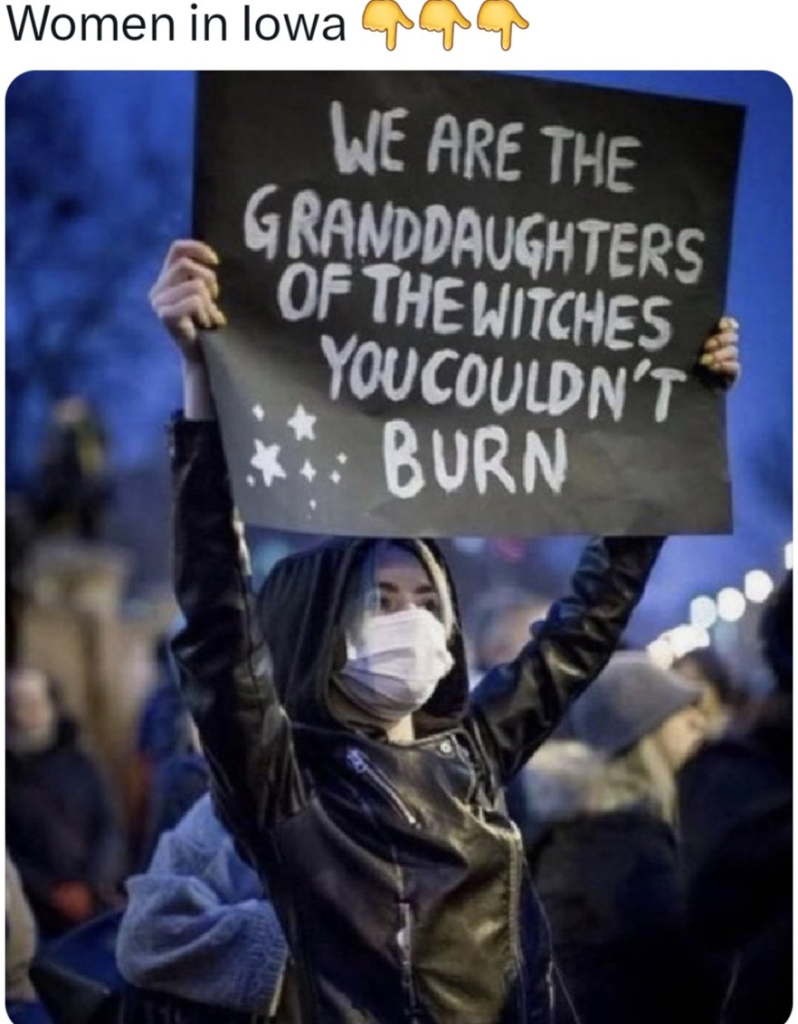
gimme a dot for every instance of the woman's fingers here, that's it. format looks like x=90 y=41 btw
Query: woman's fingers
x=186 y=269
x=721 y=351
x=184 y=295
x=188 y=298
x=192 y=249
x=168 y=295
x=721 y=340
x=174 y=314
x=186 y=328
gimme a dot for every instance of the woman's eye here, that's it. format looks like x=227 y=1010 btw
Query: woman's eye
x=432 y=606
x=385 y=603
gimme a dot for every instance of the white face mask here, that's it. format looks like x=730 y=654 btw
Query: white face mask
x=395 y=663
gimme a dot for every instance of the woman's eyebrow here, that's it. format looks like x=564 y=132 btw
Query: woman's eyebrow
x=391 y=588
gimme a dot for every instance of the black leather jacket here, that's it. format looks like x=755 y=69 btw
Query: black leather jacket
x=399 y=879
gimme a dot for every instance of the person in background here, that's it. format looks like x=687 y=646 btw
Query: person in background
x=600 y=824
x=199 y=943
x=22 y=1003
x=61 y=829
x=178 y=782
x=736 y=800
x=721 y=699
x=20 y=537
x=168 y=773
x=73 y=489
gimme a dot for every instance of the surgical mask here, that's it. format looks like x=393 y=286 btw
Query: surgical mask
x=395 y=663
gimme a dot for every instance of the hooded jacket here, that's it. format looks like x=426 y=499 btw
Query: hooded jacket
x=736 y=800
x=60 y=824
x=607 y=869
x=397 y=875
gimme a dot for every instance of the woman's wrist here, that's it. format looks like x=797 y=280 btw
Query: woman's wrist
x=198 y=403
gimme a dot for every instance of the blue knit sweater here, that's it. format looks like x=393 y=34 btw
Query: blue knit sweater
x=197 y=924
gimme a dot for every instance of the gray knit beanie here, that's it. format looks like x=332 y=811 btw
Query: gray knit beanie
x=630 y=699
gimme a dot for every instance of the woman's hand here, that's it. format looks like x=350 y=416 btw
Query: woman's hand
x=185 y=294
x=721 y=352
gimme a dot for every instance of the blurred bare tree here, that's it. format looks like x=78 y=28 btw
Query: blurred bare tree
x=84 y=227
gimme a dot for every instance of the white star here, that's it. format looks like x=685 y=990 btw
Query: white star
x=335 y=476
x=266 y=460
x=308 y=471
x=251 y=480
x=302 y=424
x=342 y=458
x=312 y=503
x=258 y=412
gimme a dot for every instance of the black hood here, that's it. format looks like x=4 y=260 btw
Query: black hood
x=301 y=606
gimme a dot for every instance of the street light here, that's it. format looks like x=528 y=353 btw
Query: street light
x=703 y=612
x=758 y=586
x=731 y=604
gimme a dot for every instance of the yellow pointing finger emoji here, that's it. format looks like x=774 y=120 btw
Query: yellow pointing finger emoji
x=442 y=16
x=500 y=16
x=385 y=16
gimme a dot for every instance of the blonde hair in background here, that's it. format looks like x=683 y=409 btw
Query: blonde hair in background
x=571 y=779
x=639 y=776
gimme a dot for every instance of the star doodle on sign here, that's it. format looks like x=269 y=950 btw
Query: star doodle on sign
x=342 y=458
x=250 y=480
x=302 y=424
x=257 y=412
x=266 y=460
x=308 y=471
x=335 y=476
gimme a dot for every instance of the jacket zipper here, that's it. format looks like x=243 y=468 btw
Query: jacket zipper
x=405 y=942
x=360 y=764
x=515 y=899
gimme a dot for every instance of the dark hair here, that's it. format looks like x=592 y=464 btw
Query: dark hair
x=711 y=668
x=775 y=632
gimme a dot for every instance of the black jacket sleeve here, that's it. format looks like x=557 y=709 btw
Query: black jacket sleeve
x=517 y=705
x=223 y=662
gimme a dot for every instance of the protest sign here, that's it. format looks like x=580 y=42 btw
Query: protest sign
x=466 y=303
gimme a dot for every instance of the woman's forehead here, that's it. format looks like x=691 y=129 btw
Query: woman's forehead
x=396 y=562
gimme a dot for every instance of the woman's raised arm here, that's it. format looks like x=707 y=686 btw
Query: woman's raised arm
x=223 y=663
x=517 y=705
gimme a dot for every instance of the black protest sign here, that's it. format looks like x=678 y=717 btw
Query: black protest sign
x=466 y=304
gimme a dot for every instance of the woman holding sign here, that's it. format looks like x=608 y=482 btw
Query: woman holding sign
x=346 y=752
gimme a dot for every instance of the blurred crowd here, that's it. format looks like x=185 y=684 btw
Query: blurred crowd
x=657 y=823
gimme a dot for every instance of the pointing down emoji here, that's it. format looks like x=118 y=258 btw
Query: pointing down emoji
x=442 y=16
x=500 y=16
x=385 y=16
